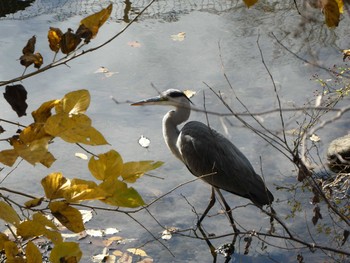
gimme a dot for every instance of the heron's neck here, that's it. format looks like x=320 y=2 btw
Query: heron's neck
x=170 y=131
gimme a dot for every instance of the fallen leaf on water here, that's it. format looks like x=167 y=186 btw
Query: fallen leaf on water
x=134 y=44
x=346 y=53
x=179 y=37
x=81 y=156
x=315 y=138
x=144 y=141
x=105 y=71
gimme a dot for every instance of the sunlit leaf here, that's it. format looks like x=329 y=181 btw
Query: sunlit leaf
x=111 y=240
x=119 y=194
x=74 y=102
x=137 y=251
x=44 y=111
x=346 y=53
x=16 y=96
x=35 y=151
x=66 y=252
x=30 y=46
x=74 y=129
x=250 y=3
x=83 y=190
x=33 y=132
x=33 y=202
x=8 y=214
x=331 y=12
x=54 y=36
x=54 y=185
x=33 y=254
x=93 y=22
x=8 y=157
x=134 y=170
x=69 y=41
x=340 y=5
x=108 y=165
x=68 y=216
x=41 y=219
x=189 y=93
x=3 y=239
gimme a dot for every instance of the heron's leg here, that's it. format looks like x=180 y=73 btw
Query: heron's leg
x=228 y=211
x=210 y=205
x=210 y=245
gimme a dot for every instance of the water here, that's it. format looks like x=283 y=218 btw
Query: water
x=221 y=37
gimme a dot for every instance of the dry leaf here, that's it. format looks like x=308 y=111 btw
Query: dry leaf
x=69 y=42
x=16 y=96
x=144 y=141
x=179 y=37
x=30 y=47
x=54 y=36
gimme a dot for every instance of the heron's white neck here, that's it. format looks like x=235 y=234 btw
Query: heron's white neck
x=170 y=130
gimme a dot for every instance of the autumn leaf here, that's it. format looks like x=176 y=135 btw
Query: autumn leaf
x=69 y=42
x=66 y=252
x=3 y=239
x=54 y=36
x=12 y=253
x=119 y=194
x=250 y=3
x=16 y=96
x=137 y=251
x=8 y=214
x=90 y=25
x=33 y=254
x=331 y=12
x=54 y=185
x=108 y=165
x=179 y=37
x=28 y=229
x=8 y=157
x=74 y=102
x=83 y=190
x=30 y=47
x=33 y=202
x=134 y=170
x=68 y=216
x=74 y=129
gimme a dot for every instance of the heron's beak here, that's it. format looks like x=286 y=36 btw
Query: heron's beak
x=152 y=101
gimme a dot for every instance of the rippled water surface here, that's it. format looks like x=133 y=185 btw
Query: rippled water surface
x=221 y=37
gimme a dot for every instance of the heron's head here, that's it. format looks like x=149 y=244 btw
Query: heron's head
x=171 y=97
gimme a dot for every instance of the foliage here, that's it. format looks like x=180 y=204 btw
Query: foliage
x=47 y=216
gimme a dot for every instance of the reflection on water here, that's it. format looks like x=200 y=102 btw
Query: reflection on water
x=183 y=65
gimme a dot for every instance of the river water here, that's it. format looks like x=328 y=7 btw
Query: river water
x=220 y=37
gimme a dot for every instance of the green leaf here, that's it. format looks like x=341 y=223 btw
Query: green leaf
x=120 y=195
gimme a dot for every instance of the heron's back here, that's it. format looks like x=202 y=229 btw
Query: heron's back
x=204 y=151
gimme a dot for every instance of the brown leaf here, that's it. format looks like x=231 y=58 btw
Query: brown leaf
x=346 y=53
x=331 y=12
x=16 y=96
x=94 y=22
x=84 y=32
x=28 y=59
x=54 y=36
x=345 y=236
x=69 y=42
x=30 y=47
x=317 y=215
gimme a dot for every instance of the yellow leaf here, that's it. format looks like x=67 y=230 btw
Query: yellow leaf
x=340 y=5
x=82 y=190
x=120 y=195
x=134 y=170
x=65 y=252
x=3 y=239
x=33 y=254
x=250 y=3
x=74 y=102
x=33 y=152
x=54 y=185
x=12 y=253
x=8 y=157
x=74 y=129
x=33 y=202
x=331 y=12
x=28 y=229
x=54 y=36
x=68 y=216
x=33 y=132
x=43 y=220
x=93 y=22
x=8 y=214
x=44 y=111
x=108 y=165
x=137 y=251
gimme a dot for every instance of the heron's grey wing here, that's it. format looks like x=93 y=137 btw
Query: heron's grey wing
x=205 y=151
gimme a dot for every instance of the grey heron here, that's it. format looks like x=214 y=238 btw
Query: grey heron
x=207 y=153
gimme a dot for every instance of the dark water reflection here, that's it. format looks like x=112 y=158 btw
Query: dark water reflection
x=213 y=29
